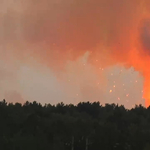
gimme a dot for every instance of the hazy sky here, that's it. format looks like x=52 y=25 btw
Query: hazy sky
x=71 y=51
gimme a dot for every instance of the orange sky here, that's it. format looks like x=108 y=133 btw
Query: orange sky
x=58 y=34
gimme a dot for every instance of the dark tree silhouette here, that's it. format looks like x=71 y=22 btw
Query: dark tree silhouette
x=85 y=126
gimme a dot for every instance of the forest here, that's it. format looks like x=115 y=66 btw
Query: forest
x=85 y=126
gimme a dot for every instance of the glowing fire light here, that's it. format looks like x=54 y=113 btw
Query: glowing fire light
x=110 y=91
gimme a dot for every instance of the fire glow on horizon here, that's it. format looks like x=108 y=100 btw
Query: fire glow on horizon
x=86 y=46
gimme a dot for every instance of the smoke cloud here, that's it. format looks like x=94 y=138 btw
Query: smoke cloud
x=63 y=35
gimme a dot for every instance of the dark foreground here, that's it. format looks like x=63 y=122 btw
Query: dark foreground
x=87 y=126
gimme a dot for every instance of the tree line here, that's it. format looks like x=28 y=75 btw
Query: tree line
x=85 y=126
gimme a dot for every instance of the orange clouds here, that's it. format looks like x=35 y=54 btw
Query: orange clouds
x=54 y=32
